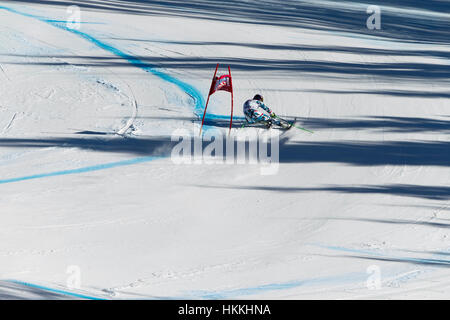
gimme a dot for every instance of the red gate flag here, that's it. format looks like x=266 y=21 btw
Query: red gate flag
x=222 y=83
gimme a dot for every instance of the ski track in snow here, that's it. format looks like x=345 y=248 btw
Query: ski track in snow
x=10 y=122
x=131 y=120
x=4 y=73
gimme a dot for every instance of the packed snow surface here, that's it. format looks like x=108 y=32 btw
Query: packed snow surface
x=357 y=210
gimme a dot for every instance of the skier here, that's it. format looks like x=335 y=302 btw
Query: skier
x=256 y=111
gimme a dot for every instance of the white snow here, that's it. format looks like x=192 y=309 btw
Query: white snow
x=85 y=179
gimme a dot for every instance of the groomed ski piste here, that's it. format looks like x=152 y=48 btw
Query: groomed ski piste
x=357 y=210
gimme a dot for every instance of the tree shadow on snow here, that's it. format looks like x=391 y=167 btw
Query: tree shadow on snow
x=404 y=190
x=350 y=71
x=411 y=20
x=378 y=123
x=360 y=153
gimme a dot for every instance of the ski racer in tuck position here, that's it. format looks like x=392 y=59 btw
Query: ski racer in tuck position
x=256 y=111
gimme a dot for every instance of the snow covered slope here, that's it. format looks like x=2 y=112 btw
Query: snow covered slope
x=86 y=177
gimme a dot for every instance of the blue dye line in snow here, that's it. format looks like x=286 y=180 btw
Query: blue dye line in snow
x=187 y=88
x=441 y=262
x=337 y=280
x=336 y=248
x=67 y=293
x=217 y=116
x=234 y=293
x=74 y=23
x=82 y=170
x=190 y=90
x=194 y=93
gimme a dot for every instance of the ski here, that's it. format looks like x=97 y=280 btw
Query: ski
x=290 y=125
x=293 y=124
